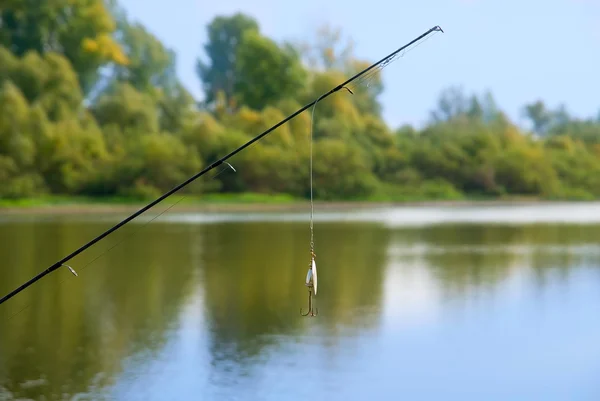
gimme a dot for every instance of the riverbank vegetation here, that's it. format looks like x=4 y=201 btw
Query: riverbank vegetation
x=91 y=107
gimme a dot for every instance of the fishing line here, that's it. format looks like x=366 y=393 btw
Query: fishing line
x=127 y=237
x=311 y=276
x=312 y=116
x=312 y=208
x=217 y=163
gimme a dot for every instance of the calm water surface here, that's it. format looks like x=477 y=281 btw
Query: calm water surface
x=463 y=303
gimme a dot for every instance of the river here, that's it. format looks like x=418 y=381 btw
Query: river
x=414 y=303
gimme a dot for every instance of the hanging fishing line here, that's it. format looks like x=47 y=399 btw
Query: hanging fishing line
x=311 y=275
x=125 y=238
x=366 y=79
x=312 y=208
x=62 y=262
x=363 y=80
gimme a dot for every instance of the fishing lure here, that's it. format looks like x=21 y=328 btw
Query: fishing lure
x=311 y=283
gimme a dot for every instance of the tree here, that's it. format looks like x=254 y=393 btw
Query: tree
x=340 y=171
x=329 y=51
x=128 y=109
x=266 y=73
x=81 y=30
x=224 y=38
x=48 y=80
x=152 y=70
x=151 y=65
x=15 y=143
x=452 y=103
x=539 y=116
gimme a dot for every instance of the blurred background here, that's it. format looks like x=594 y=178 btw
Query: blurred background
x=456 y=225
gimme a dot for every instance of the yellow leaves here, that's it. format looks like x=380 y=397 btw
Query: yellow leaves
x=105 y=48
x=165 y=158
x=204 y=135
x=253 y=123
x=339 y=105
x=282 y=135
x=248 y=117
x=102 y=18
x=300 y=125
x=209 y=124
x=527 y=170
x=90 y=45
x=329 y=55
x=8 y=62
x=13 y=107
x=564 y=143
x=511 y=135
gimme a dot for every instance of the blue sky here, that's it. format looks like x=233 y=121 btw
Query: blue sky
x=520 y=50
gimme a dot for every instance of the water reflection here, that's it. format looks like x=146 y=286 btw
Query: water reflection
x=186 y=310
x=75 y=332
x=253 y=293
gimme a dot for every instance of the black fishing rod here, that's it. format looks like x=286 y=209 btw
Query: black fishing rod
x=217 y=163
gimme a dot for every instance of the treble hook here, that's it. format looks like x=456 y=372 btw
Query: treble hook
x=311 y=311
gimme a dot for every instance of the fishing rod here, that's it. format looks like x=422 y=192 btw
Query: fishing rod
x=217 y=163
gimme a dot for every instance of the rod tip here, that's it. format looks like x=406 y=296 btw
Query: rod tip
x=438 y=28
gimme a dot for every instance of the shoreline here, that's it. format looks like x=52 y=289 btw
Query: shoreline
x=99 y=207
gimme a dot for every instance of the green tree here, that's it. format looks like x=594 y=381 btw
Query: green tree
x=340 y=171
x=224 y=38
x=48 y=80
x=152 y=70
x=266 y=73
x=539 y=116
x=81 y=30
x=329 y=50
x=15 y=143
x=75 y=150
x=452 y=103
x=130 y=110
x=151 y=66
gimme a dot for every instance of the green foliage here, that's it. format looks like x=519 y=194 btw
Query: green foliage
x=224 y=38
x=128 y=109
x=278 y=72
x=80 y=30
x=341 y=171
x=151 y=65
x=47 y=80
x=141 y=132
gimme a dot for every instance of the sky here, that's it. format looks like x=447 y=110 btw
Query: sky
x=519 y=50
